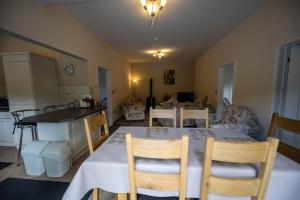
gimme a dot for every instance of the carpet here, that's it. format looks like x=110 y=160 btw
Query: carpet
x=4 y=165
x=14 y=188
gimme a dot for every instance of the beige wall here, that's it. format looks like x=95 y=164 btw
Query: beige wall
x=2 y=78
x=53 y=26
x=253 y=46
x=184 y=78
x=79 y=78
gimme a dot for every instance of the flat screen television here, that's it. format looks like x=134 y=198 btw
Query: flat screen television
x=185 y=96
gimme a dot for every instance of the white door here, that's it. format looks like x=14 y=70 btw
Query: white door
x=292 y=98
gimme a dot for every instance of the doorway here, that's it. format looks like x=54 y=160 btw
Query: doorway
x=104 y=86
x=225 y=86
x=287 y=93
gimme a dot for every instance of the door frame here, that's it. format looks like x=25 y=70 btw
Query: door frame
x=109 y=110
x=280 y=78
x=220 y=104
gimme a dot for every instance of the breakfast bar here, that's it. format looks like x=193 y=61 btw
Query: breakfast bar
x=65 y=125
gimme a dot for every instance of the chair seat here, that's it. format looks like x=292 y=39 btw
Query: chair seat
x=145 y=197
x=20 y=123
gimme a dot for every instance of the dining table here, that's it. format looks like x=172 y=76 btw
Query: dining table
x=107 y=167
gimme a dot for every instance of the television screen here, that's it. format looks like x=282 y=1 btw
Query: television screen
x=185 y=96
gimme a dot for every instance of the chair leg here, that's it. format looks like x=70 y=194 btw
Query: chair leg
x=20 y=147
x=35 y=133
x=122 y=196
x=14 y=129
x=95 y=195
x=32 y=133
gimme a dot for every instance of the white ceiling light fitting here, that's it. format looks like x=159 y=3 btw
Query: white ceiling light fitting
x=153 y=8
x=158 y=55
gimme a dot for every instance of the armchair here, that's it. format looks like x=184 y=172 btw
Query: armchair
x=133 y=109
x=240 y=118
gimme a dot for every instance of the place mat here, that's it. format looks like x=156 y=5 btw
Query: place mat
x=235 y=139
x=117 y=138
x=157 y=130
x=200 y=134
x=4 y=164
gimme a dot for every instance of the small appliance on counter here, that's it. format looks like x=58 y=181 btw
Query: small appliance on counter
x=4 y=107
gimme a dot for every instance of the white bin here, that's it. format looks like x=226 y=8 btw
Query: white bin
x=56 y=158
x=32 y=156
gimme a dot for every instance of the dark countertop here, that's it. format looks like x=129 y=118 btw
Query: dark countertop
x=66 y=115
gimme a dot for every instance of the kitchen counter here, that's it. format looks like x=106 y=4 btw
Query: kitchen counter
x=65 y=125
x=66 y=115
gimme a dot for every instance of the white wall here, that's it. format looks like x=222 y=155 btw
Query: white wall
x=53 y=26
x=253 y=46
x=142 y=72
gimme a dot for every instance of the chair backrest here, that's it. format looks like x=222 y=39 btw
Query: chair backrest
x=158 y=149
x=18 y=115
x=286 y=124
x=163 y=113
x=93 y=126
x=194 y=114
x=238 y=152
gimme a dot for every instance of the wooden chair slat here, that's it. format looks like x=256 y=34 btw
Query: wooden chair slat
x=163 y=113
x=100 y=141
x=286 y=124
x=234 y=187
x=160 y=149
x=194 y=114
x=240 y=152
x=289 y=151
x=157 y=181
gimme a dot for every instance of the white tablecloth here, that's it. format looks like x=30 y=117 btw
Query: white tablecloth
x=107 y=167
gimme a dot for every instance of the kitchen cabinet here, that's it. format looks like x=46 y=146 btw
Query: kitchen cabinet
x=6 y=128
x=31 y=82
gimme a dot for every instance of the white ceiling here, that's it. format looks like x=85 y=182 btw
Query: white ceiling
x=186 y=27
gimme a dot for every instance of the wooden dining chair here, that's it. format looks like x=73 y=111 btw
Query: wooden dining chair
x=93 y=126
x=163 y=113
x=194 y=114
x=286 y=124
x=238 y=152
x=157 y=149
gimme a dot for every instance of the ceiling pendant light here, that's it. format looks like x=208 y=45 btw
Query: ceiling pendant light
x=153 y=8
x=158 y=55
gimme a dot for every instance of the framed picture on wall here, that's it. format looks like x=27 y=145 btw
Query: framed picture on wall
x=169 y=77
